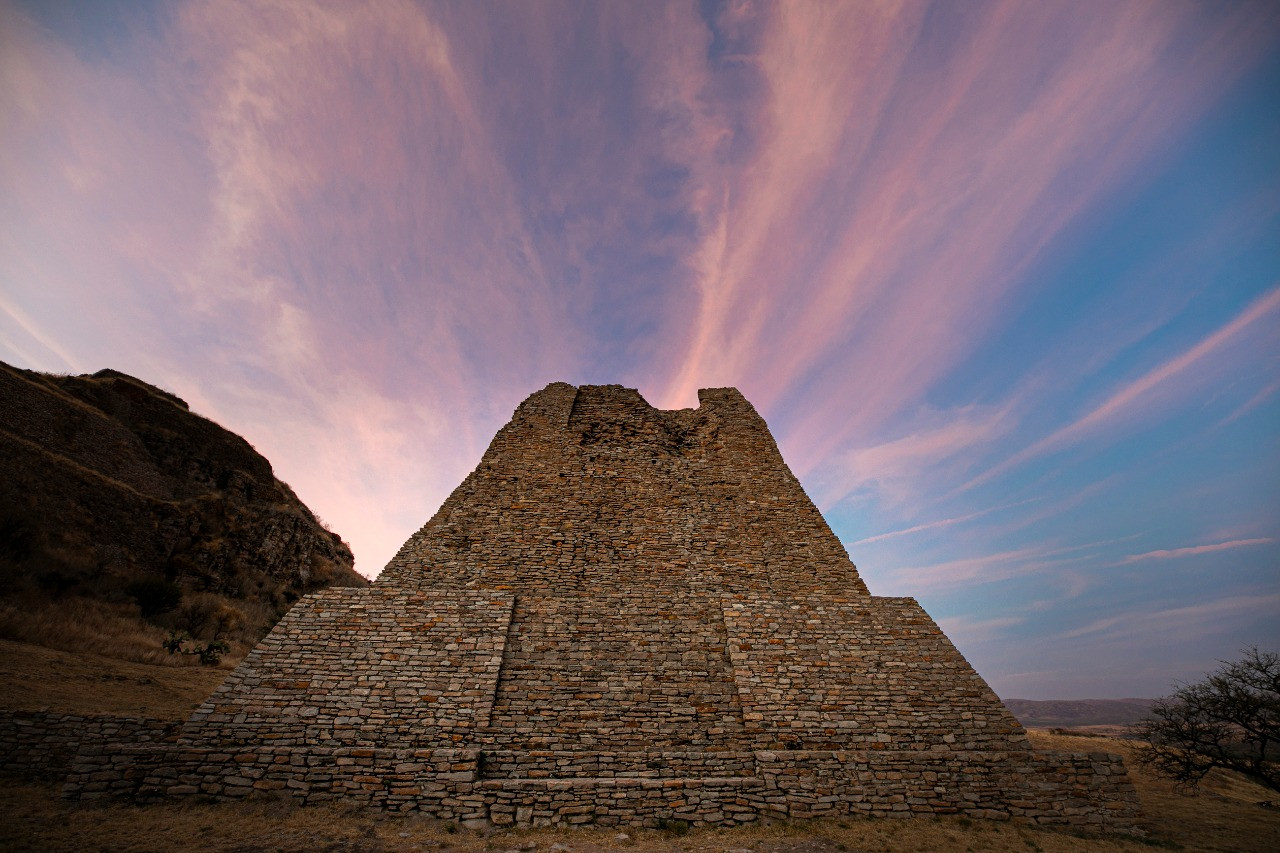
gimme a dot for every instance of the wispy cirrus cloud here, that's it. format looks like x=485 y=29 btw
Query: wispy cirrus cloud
x=919 y=236
x=933 y=525
x=1187 y=622
x=1127 y=398
x=971 y=630
x=355 y=198
x=902 y=221
x=894 y=468
x=1253 y=402
x=968 y=571
x=17 y=326
x=95 y=190
x=1194 y=550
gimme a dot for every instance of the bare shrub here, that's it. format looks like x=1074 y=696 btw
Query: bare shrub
x=1230 y=720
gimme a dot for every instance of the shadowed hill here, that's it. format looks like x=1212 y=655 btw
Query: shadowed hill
x=118 y=501
x=1078 y=712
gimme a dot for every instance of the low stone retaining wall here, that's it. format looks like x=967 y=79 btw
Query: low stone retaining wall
x=1087 y=790
x=440 y=782
x=40 y=745
x=626 y=801
x=105 y=756
x=1076 y=789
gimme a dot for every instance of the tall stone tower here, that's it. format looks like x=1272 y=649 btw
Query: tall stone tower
x=622 y=615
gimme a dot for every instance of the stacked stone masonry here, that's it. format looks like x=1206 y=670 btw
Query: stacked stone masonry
x=623 y=615
x=41 y=745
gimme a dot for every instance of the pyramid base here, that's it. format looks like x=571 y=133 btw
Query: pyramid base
x=1083 y=790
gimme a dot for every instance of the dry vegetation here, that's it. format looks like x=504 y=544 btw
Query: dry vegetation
x=1223 y=816
x=37 y=821
x=33 y=678
x=85 y=626
x=125 y=517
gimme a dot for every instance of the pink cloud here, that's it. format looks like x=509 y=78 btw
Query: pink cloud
x=1125 y=400
x=98 y=198
x=16 y=325
x=1190 y=622
x=1253 y=402
x=905 y=204
x=970 y=571
x=895 y=468
x=999 y=566
x=761 y=228
x=932 y=525
x=1194 y=550
x=354 y=173
x=966 y=631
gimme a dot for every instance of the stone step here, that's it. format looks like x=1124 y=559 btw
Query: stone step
x=569 y=764
x=629 y=669
x=581 y=782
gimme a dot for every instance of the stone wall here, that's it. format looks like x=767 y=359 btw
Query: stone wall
x=593 y=487
x=871 y=673
x=610 y=708
x=41 y=746
x=365 y=667
x=1089 y=790
x=615 y=671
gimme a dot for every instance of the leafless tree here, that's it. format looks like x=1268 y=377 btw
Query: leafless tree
x=1229 y=720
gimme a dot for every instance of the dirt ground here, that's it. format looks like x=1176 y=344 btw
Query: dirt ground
x=1222 y=816
x=34 y=819
x=35 y=678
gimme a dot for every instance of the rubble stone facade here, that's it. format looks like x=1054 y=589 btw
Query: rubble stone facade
x=623 y=615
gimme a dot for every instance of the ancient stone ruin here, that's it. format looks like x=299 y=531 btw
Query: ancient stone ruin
x=622 y=616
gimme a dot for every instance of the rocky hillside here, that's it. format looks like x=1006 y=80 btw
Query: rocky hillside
x=1071 y=713
x=114 y=492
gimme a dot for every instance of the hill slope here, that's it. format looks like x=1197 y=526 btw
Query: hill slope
x=1070 y=713
x=118 y=501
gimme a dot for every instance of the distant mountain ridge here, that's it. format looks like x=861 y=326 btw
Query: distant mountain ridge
x=1068 y=713
x=108 y=481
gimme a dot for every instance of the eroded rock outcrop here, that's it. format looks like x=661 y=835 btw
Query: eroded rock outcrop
x=108 y=480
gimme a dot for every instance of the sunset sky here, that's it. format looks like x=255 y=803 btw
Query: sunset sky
x=1002 y=277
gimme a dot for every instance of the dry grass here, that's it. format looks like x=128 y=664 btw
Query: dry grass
x=33 y=678
x=88 y=626
x=1222 y=817
x=36 y=820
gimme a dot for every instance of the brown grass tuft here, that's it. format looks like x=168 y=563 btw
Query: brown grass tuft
x=87 y=626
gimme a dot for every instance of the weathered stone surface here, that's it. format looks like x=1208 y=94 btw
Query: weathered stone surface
x=108 y=480
x=623 y=615
x=41 y=745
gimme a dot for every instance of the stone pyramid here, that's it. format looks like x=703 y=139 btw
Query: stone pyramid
x=622 y=616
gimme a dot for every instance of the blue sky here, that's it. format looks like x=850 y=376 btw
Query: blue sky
x=1003 y=277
